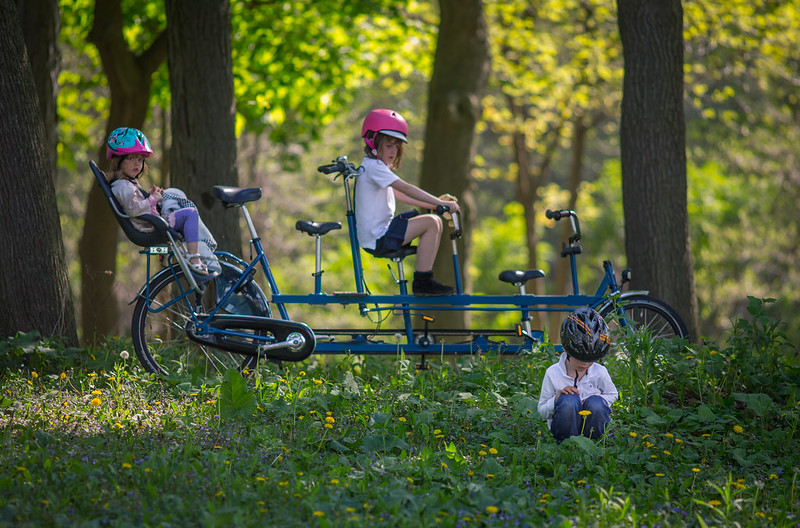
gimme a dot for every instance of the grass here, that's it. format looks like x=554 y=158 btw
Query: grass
x=702 y=436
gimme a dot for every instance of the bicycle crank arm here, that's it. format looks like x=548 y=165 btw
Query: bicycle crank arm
x=248 y=335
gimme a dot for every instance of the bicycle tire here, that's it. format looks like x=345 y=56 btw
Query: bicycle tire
x=160 y=340
x=643 y=313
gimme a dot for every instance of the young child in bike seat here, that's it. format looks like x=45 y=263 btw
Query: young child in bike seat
x=385 y=133
x=127 y=148
x=577 y=393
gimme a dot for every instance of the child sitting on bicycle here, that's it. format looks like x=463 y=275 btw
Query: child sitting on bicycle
x=577 y=392
x=380 y=232
x=127 y=148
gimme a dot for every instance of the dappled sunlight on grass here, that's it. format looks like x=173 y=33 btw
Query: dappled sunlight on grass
x=699 y=437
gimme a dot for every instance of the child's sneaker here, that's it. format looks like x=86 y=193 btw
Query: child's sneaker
x=424 y=285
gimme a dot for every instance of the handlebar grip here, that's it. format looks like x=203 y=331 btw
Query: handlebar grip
x=557 y=215
x=441 y=209
x=331 y=168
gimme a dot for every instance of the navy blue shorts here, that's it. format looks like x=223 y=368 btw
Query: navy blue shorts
x=393 y=239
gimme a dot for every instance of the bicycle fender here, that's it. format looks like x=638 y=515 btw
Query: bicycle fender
x=626 y=295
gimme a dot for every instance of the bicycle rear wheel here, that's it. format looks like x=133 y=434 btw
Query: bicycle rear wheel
x=160 y=320
x=644 y=314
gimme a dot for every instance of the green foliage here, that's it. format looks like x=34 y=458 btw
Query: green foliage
x=365 y=440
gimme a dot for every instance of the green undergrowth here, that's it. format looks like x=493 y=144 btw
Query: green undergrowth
x=702 y=436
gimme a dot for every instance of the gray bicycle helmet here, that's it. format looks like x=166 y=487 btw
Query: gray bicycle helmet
x=584 y=335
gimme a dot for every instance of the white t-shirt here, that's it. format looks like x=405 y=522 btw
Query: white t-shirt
x=375 y=204
x=596 y=382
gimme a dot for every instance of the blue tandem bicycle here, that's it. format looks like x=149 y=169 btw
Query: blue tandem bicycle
x=181 y=322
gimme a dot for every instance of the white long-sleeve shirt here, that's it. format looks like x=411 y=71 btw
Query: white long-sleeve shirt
x=596 y=382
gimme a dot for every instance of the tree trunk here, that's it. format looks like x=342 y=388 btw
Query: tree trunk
x=203 y=110
x=652 y=141
x=561 y=275
x=40 y=25
x=34 y=287
x=460 y=70
x=129 y=78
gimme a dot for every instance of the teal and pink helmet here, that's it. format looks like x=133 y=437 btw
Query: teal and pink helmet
x=126 y=140
x=383 y=121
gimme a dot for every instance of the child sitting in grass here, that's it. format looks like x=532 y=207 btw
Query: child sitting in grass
x=577 y=393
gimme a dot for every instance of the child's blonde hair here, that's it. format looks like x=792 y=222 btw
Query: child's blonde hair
x=379 y=139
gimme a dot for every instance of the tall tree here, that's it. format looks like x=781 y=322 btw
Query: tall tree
x=652 y=142
x=129 y=77
x=34 y=287
x=40 y=24
x=203 y=109
x=460 y=70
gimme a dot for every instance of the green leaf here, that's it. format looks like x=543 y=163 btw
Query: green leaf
x=759 y=403
x=235 y=400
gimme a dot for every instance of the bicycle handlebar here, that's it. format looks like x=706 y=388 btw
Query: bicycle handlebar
x=573 y=216
x=558 y=215
x=340 y=165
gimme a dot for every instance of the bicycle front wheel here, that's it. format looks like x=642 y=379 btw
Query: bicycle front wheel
x=160 y=320
x=644 y=314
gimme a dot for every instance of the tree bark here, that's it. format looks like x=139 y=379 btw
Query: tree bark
x=129 y=78
x=460 y=70
x=203 y=110
x=40 y=22
x=652 y=141
x=34 y=287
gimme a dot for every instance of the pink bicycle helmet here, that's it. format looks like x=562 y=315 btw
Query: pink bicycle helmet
x=127 y=140
x=386 y=122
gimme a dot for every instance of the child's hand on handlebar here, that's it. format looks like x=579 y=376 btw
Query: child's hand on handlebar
x=451 y=206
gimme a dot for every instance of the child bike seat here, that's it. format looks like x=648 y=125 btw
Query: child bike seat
x=140 y=238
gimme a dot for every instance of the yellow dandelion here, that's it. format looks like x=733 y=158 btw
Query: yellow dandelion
x=97 y=392
x=738 y=429
x=695 y=470
x=491 y=510
x=260 y=479
x=773 y=476
x=330 y=419
x=34 y=374
x=492 y=451
x=335 y=482
x=318 y=513
x=402 y=419
x=482 y=452
x=95 y=402
x=126 y=465
x=660 y=475
x=633 y=434
x=283 y=483
x=410 y=480
x=585 y=412
x=714 y=502
x=667 y=452
x=350 y=509
x=318 y=382
x=437 y=431
x=669 y=435
x=328 y=426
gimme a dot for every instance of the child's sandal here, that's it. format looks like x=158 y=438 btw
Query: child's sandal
x=198 y=268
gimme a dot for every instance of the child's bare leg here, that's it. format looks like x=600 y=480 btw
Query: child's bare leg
x=191 y=247
x=428 y=228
